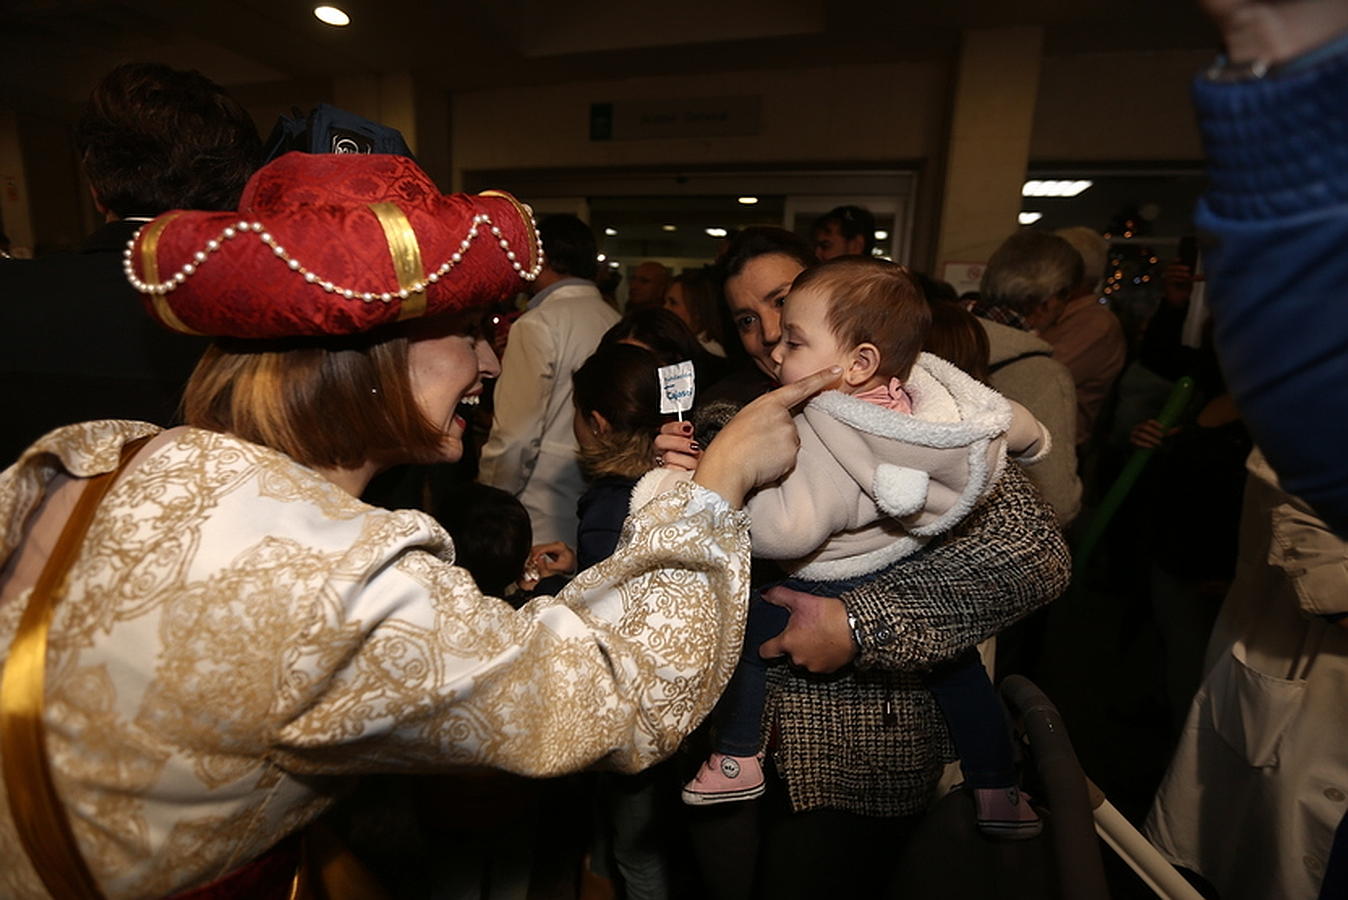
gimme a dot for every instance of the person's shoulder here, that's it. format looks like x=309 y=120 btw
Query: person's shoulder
x=1006 y=342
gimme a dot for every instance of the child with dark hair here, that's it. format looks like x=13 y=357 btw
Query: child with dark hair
x=491 y=533
x=617 y=398
x=900 y=453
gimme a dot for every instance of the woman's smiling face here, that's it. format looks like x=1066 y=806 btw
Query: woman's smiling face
x=445 y=369
x=755 y=296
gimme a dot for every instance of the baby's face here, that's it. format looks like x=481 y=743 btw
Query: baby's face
x=807 y=344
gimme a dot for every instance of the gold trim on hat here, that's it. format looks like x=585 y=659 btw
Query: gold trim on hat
x=527 y=219
x=149 y=258
x=406 y=253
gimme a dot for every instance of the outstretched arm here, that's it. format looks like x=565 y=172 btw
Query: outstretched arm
x=1277 y=209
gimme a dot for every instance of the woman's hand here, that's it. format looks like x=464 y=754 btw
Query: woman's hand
x=1275 y=31
x=675 y=446
x=817 y=637
x=759 y=444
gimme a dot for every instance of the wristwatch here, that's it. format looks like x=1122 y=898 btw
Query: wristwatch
x=1224 y=71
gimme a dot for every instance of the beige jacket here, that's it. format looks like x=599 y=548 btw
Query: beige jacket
x=238 y=631
x=531 y=451
x=1023 y=370
x=1260 y=779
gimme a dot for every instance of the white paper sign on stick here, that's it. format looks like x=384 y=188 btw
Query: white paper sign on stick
x=676 y=388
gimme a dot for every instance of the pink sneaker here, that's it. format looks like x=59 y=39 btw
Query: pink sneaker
x=1005 y=813
x=725 y=779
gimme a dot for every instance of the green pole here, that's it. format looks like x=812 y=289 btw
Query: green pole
x=1175 y=405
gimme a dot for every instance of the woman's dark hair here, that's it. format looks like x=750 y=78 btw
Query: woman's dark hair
x=762 y=240
x=619 y=382
x=491 y=532
x=569 y=246
x=957 y=336
x=153 y=139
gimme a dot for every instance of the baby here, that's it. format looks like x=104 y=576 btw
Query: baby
x=900 y=452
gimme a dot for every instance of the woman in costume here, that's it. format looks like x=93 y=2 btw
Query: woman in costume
x=197 y=659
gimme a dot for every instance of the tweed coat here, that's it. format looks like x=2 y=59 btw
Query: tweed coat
x=872 y=740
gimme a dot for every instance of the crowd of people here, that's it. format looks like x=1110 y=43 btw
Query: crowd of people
x=376 y=481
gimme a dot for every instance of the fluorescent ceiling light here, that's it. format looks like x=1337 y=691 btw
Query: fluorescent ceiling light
x=1029 y=218
x=611 y=232
x=1038 y=188
x=331 y=15
x=748 y=201
x=669 y=228
x=716 y=232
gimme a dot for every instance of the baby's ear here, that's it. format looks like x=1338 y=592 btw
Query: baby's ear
x=865 y=363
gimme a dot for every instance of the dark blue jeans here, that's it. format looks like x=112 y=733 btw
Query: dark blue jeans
x=960 y=686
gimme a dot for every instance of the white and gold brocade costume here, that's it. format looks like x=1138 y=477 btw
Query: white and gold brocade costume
x=238 y=630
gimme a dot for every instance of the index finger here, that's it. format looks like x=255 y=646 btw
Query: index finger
x=799 y=391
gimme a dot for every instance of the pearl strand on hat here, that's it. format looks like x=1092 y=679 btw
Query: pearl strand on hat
x=243 y=227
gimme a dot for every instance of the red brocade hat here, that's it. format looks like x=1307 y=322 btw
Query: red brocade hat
x=326 y=244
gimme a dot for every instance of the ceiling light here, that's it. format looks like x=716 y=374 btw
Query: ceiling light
x=1029 y=218
x=882 y=235
x=331 y=15
x=614 y=264
x=601 y=257
x=1060 y=188
x=716 y=232
x=748 y=201
x=669 y=228
x=611 y=232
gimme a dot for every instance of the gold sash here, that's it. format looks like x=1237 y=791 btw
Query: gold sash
x=39 y=816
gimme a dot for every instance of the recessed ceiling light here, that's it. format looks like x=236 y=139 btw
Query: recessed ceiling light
x=331 y=15
x=1062 y=188
x=601 y=257
x=716 y=232
x=1029 y=217
x=611 y=232
x=748 y=201
x=669 y=228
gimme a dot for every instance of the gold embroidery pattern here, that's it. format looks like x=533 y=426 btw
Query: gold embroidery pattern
x=202 y=660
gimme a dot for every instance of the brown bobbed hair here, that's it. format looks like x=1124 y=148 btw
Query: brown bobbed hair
x=873 y=301
x=330 y=402
x=957 y=337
